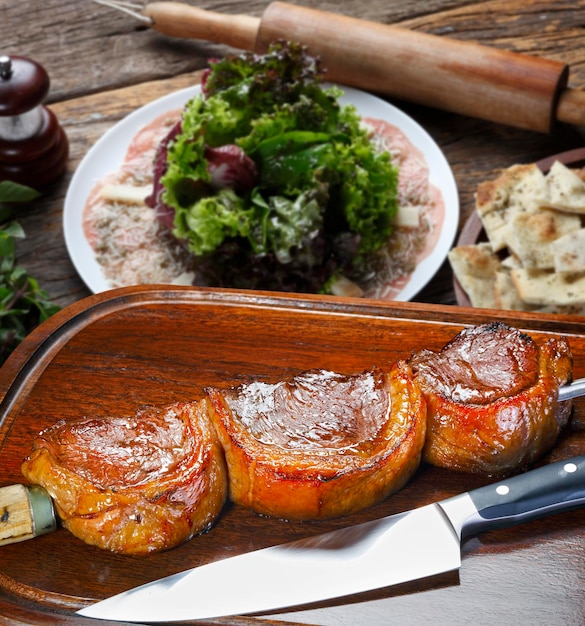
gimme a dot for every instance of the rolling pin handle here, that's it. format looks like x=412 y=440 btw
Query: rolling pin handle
x=182 y=20
x=26 y=511
x=571 y=107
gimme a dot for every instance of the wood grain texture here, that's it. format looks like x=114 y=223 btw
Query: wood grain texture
x=16 y=522
x=103 y=65
x=454 y=75
x=112 y=353
x=97 y=357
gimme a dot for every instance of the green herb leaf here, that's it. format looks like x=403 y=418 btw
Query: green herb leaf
x=15 y=192
x=23 y=304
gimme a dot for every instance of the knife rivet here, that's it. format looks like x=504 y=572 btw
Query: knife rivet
x=570 y=468
x=503 y=490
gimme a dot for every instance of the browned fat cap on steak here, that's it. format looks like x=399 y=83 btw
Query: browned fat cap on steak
x=323 y=444
x=492 y=399
x=135 y=484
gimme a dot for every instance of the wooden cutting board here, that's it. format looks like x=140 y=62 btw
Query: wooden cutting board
x=112 y=353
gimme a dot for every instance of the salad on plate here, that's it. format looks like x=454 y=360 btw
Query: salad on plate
x=265 y=180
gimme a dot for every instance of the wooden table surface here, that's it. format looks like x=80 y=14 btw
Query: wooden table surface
x=105 y=64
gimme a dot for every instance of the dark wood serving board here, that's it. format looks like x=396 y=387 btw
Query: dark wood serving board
x=114 y=352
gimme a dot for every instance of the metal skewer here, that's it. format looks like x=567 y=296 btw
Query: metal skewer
x=574 y=390
x=132 y=8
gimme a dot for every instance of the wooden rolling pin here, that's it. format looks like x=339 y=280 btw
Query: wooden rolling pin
x=457 y=76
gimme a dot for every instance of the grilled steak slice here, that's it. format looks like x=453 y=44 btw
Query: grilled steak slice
x=492 y=399
x=134 y=484
x=321 y=445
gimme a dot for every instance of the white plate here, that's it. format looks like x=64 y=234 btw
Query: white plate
x=108 y=153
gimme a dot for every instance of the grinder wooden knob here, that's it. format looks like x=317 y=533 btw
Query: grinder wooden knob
x=33 y=146
x=26 y=511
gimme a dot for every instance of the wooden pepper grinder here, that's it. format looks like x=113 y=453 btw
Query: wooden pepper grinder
x=33 y=146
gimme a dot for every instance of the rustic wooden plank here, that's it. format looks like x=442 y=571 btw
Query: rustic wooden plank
x=109 y=49
x=104 y=65
x=475 y=149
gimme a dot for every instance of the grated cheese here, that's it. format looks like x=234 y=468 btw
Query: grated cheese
x=126 y=194
x=417 y=223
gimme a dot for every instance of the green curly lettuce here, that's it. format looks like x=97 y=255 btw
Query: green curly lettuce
x=319 y=178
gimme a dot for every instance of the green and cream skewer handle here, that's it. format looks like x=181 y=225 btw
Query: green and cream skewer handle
x=26 y=511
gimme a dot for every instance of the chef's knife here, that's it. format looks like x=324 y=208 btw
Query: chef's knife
x=396 y=549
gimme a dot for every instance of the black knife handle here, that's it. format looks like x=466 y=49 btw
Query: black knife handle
x=552 y=488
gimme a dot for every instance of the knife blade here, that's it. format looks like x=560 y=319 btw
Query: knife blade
x=411 y=545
